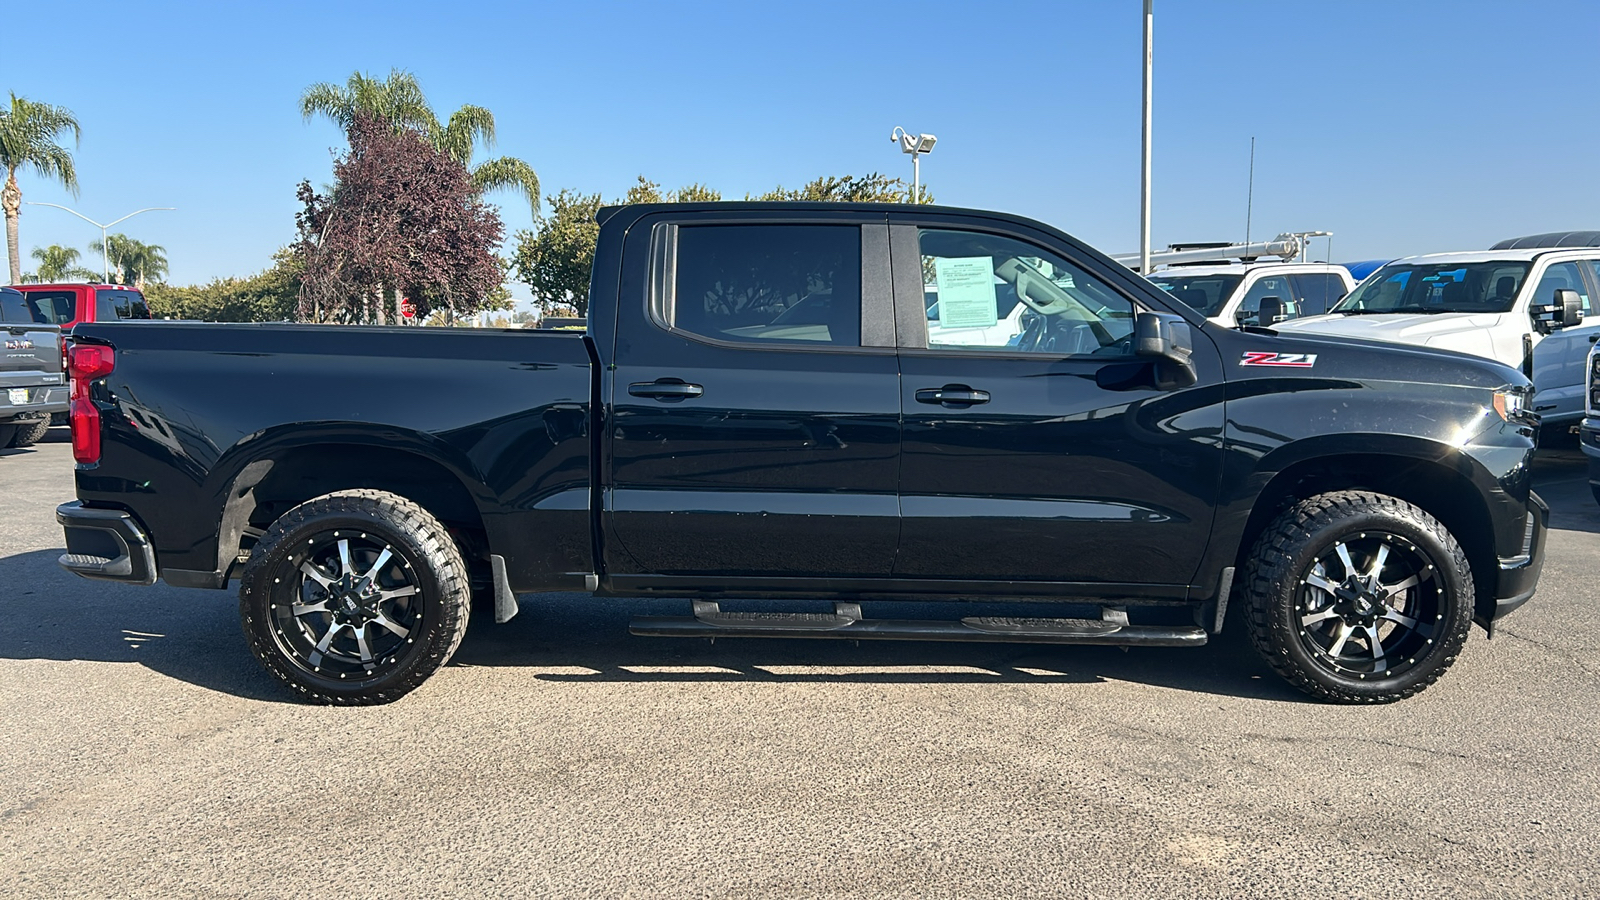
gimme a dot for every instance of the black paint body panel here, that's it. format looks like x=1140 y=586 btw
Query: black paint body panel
x=804 y=473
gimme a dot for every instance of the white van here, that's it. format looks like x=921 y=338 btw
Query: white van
x=1230 y=294
x=1501 y=304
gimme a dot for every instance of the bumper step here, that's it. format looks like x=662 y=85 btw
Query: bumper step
x=846 y=623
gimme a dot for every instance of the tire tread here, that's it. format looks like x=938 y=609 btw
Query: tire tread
x=440 y=553
x=1270 y=565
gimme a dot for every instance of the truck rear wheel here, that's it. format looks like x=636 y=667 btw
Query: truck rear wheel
x=1357 y=597
x=355 y=598
x=30 y=433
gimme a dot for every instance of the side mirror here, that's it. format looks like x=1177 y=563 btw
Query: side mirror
x=1165 y=339
x=1273 y=311
x=1565 y=311
x=1569 y=309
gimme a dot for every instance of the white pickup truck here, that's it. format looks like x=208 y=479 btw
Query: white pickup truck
x=1500 y=304
x=1230 y=294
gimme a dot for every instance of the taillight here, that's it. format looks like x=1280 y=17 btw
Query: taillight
x=85 y=363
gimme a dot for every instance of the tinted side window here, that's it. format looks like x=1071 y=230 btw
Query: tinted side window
x=1265 y=286
x=56 y=305
x=121 y=304
x=984 y=291
x=16 y=309
x=796 y=284
x=1561 y=276
x=1317 y=292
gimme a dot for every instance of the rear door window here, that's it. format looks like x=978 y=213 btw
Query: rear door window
x=111 y=305
x=57 y=306
x=777 y=284
x=17 y=309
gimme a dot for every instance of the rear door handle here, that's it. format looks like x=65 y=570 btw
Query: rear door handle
x=669 y=390
x=954 y=395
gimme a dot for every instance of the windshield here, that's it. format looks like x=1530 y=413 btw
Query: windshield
x=1205 y=294
x=1482 y=287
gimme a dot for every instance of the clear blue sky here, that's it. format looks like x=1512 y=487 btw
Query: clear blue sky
x=1403 y=127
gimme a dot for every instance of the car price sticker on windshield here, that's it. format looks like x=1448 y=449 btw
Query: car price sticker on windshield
x=966 y=292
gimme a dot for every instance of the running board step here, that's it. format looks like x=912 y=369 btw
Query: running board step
x=846 y=623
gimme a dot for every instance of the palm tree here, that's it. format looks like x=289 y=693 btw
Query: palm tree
x=28 y=133
x=399 y=101
x=137 y=261
x=58 y=263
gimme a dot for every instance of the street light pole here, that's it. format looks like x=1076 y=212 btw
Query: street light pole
x=915 y=145
x=1144 y=185
x=105 y=239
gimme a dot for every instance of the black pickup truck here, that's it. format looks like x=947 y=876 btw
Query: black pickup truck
x=793 y=403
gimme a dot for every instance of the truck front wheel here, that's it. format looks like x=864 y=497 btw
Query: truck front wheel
x=1357 y=597
x=355 y=598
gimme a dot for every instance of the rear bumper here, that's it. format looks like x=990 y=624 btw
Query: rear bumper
x=1519 y=575
x=106 y=545
x=41 y=401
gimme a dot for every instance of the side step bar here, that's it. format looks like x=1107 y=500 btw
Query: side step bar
x=846 y=623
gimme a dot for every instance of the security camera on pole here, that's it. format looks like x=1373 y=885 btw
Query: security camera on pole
x=916 y=145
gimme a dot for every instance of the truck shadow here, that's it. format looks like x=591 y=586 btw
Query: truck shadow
x=194 y=636
x=578 y=639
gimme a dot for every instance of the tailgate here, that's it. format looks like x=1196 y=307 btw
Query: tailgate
x=29 y=355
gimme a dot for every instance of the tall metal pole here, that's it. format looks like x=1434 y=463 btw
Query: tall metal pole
x=1144 y=193
x=105 y=242
x=916 y=178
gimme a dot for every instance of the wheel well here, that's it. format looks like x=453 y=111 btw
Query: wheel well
x=305 y=473
x=1443 y=493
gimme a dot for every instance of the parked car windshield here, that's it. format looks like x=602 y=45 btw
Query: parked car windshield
x=1481 y=287
x=1205 y=294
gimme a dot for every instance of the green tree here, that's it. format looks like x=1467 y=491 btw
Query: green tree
x=554 y=259
x=871 y=188
x=269 y=296
x=399 y=101
x=28 y=133
x=58 y=263
x=139 y=263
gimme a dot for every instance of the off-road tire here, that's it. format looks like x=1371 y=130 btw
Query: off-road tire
x=1285 y=555
x=30 y=433
x=7 y=432
x=430 y=558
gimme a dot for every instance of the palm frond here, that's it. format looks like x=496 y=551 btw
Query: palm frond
x=397 y=99
x=28 y=134
x=467 y=126
x=507 y=172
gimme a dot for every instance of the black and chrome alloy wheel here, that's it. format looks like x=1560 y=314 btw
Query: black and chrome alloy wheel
x=355 y=597
x=1357 y=597
x=352 y=608
x=1370 y=606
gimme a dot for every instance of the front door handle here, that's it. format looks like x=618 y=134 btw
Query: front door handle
x=958 y=396
x=668 y=390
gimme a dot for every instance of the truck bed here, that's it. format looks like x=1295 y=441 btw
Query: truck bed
x=504 y=412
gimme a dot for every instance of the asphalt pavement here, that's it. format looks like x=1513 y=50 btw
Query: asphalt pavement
x=143 y=753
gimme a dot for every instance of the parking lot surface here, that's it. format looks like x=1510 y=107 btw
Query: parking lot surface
x=144 y=753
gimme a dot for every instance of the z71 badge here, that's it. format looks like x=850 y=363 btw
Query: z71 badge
x=1286 y=360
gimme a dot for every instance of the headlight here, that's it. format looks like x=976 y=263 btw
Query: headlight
x=1509 y=404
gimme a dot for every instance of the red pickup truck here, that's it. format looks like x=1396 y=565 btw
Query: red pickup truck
x=70 y=304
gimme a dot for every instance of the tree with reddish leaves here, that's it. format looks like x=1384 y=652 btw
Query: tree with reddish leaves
x=403 y=219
